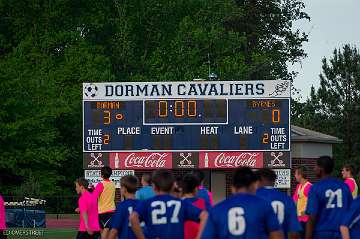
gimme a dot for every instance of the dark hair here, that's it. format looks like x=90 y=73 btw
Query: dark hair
x=267 y=174
x=130 y=182
x=199 y=174
x=326 y=163
x=243 y=177
x=349 y=167
x=302 y=170
x=146 y=177
x=82 y=182
x=106 y=172
x=189 y=183
x=163 y=180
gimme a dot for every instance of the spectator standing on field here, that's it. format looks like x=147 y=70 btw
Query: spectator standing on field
x=347 y=173
x=2 y=219
x=89 y=222
x=147 y=190
x=202 y=191
x=105 y=192
x=301 y=195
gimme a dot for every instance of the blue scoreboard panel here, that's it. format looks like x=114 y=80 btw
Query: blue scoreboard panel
x=221 y=116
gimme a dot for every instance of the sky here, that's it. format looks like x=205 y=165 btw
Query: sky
x=333 y=24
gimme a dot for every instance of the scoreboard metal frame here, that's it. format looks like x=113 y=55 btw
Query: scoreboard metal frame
x=225 y=90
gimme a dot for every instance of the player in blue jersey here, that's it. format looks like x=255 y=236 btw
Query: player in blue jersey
x=329 y=200
x=350 y=226
x=243 y=215
x=164 y=215
x=120 y=221
x=282 y=204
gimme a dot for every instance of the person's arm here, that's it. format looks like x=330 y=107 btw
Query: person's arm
x=209 y=231
x=203 y=218
x=98 y=189
x=344 y=232
x=86 y=222
x=294 y=235
x=113 y=234
x=276 y=235
x=296 y=194
x=135 y=225
x=310 y=226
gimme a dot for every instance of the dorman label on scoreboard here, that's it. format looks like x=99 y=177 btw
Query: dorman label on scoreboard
x=218 y=89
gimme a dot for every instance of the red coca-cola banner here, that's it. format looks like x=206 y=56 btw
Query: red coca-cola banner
x=141 y=160
x=213 y=160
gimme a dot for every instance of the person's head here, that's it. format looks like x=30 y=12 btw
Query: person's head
x=81 y=185
x=300 y=173
x=324 y=166
x=163 y=180
x=199 y=174
x=128 y=185
x=347 y=171
x=190 y=183
x=177 y=189
x=106 y=172
x=244 y=179
x=266 y=177
x=146 y=179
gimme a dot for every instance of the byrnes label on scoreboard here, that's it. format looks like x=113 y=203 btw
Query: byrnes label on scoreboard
x=187 y=116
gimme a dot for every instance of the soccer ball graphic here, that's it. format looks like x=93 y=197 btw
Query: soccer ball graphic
x=91 y=90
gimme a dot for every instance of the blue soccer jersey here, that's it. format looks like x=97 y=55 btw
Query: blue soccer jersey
x=329 y=200
x=352 y=219
x=165 y=215
x=284 y=208
x=242 y=216
x=120 y=219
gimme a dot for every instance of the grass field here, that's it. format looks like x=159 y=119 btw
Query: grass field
x=58 y=233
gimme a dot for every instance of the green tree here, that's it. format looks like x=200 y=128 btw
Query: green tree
x=334 y=107
x=48 y=48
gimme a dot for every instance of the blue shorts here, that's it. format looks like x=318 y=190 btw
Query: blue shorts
x=327 y=235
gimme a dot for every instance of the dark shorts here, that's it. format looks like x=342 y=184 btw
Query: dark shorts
x=327 y=235
x=105 y=220
x=303 y=232
x=85 y=235
x=2 y=235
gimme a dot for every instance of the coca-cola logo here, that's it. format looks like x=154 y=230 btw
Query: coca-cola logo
x=240 y=160
x=151 y=160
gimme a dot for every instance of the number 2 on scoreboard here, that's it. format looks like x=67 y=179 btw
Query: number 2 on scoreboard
x=265 y=139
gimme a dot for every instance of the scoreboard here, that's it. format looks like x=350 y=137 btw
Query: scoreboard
x=186 y=116
x=191 y=124
x=209 y=125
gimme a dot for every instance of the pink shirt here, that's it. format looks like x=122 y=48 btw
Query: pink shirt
x=191 y=229
x=88 y=203
x=351 y=183
x=2 y=214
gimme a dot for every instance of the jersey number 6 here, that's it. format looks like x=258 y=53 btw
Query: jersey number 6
x=236 y=221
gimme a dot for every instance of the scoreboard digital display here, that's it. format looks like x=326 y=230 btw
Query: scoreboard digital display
x=186 y=116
